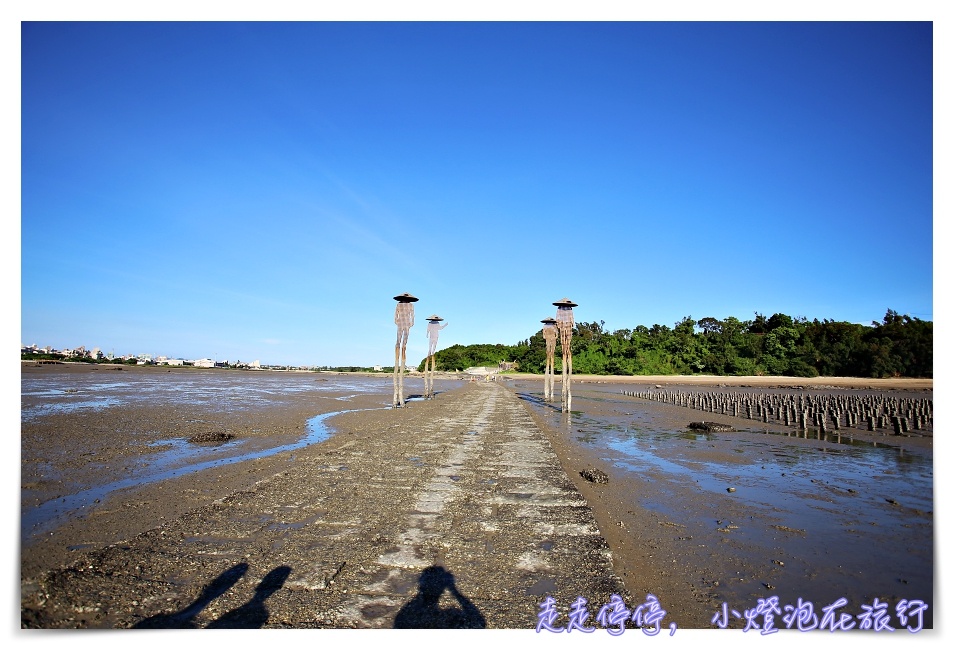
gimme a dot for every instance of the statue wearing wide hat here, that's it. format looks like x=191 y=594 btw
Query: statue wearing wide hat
x=550 y=337
x=404 y=319
x=564 y=324
x=433 y=332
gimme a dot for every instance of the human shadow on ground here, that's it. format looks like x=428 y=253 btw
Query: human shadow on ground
x=424 y=611
x=183 y=618
x=254 y=614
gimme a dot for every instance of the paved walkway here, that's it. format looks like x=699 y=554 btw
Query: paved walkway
x=453 y=512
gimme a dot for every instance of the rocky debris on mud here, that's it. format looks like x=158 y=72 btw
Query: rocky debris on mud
x=711 y=427
x=212 y=436
x=595 y=476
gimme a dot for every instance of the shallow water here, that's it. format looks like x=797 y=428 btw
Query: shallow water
x=809 y=517
x=57 y=393
x=164 y=465
x=221 y=390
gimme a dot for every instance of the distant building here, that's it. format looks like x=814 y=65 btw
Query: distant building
x=481 y=371
x=204 y=363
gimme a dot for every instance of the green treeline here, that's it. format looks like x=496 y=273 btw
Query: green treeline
x=900 y=346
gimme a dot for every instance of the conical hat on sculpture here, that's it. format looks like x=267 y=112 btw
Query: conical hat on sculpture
x=566 y=302
x=549 y=320
x=406 y=297
x=434 y=317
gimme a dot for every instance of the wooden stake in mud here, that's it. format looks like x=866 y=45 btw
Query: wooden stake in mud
x=404 y=319
x=433 y=331
x=564 y=321
x=550 y=336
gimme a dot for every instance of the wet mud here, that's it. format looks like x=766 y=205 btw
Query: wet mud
x=450 y=512
x=466 y=510
x=763 y=510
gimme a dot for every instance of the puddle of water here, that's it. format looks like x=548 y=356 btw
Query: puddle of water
x=542 y=587
x=377 y=611
x=69 y=406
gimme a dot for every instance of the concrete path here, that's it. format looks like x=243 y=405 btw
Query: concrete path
x=453 y=512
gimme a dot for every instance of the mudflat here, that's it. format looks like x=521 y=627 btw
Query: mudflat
x=453 y=512
x=722 y=521
x=467 y=510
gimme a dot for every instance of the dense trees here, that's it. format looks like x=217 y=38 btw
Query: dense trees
x=899 y=346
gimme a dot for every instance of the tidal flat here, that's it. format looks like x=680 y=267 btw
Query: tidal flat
x=110 y=482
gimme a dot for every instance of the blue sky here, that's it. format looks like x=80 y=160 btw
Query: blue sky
x=262 y=190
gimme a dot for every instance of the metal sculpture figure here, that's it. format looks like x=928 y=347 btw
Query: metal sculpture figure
x=433 y=331
x=550 y=336
x=404 y=319
x=564 y=323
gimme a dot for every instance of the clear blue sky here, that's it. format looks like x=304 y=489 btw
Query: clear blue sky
x=262 y=190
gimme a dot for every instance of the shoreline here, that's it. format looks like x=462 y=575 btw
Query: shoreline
x=760 y=381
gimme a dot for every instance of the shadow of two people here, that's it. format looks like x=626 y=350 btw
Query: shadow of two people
x=252 y=614
x=421 y=612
